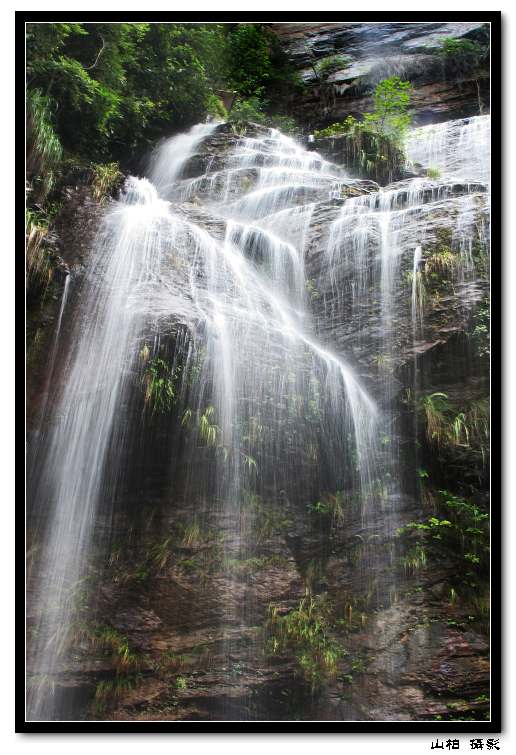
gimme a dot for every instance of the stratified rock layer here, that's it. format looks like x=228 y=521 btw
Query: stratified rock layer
x=375 y=51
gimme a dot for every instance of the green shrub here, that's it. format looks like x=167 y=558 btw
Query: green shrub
x=459 y=530
x=216 y=108
x=106 y=177
x=456 y=46
x=159 y=380
x=44 y=150
x=251 y=110
x=481 y=331
x=285 y=124
x=305 y=633
x=447 y=426
x=327 y=66
x=249 y=55
x=391 y=116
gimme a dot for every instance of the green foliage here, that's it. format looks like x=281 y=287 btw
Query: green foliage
x=447 y=426
x=159 y=380
x=103 y=91
x=415 y=559
x=109 y=691
x=110 y=642
x=391 y=116
x=250 y=67
x=325 y=67
x=481 y=331
x=336 y=129
x=251 y=109
x=457 y=46
x=464 y=58
x=120 y=86
x=106 y=177
x=256 y=110
x=44 y=149
x=459 y=529
x=433 y=173
x=375 y=144
x=38 y=263
x=442 y=261
x=216 y=108
x=305 y=633
x=332 y=506
x=209 y=432
x=285 y=123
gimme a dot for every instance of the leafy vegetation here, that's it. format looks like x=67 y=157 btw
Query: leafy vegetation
x=99 y=94
x=104 y=90
x=331 y=506
x=120 y=86
x=374 y=145
x=463 y=51
x=106 y=177
x=305 y=633
x=159 y=380
x=44 y=150
x=390 y=118
x=325 y=67
x=458 y=530
x=481 y=331
x=109 y=691
x=447 y=426
x=209 y=431
x=466 y=59
x=433 y=173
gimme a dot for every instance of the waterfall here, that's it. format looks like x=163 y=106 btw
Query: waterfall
x=460 y=148
x=417 y=297
x=53 y=350
x=209 y=279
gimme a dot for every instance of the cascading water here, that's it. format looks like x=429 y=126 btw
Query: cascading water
x=269 y=402
x=460 y=148
x=245 y=291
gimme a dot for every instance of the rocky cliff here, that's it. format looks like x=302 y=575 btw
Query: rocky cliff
x=340 y=64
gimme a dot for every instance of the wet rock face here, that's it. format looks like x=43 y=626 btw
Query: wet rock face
x=375 y=51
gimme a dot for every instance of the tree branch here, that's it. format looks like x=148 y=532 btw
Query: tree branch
x=104 y=45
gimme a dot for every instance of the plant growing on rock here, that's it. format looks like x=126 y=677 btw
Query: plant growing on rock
x=209 y=431
x=251 y=109
x=44 y=150
x=391 y=117
x=326 y=66
x=481 y=331
x=465 y=58
x=459 y=529
x=106 y=177
x=332 y=506
x=159 y=380
x=375 y=144
x=305 y=633
x=446 y=426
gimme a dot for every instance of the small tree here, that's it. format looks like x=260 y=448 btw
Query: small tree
x=391 y=116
